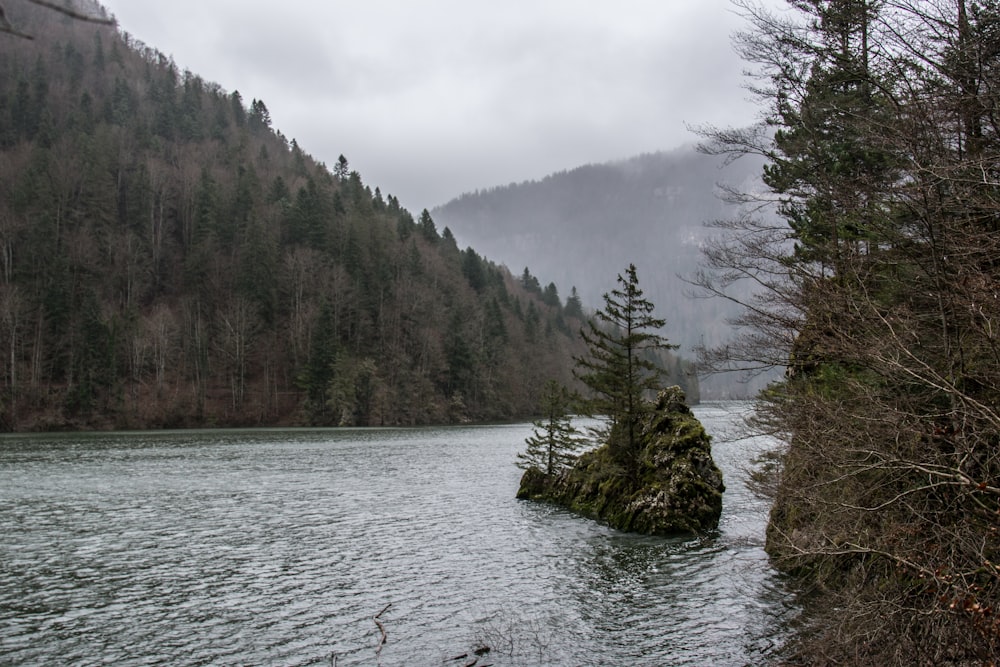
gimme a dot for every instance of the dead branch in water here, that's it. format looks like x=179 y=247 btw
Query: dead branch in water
x=381 y=627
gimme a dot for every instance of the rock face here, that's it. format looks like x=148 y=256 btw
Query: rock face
x=676 y=487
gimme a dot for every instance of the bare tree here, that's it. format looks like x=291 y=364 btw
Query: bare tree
x=237 y=325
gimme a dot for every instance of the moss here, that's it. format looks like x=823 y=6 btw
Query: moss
x=677 y=487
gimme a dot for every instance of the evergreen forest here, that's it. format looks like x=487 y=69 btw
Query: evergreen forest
x=170 y=259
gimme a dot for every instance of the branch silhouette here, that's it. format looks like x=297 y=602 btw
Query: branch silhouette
x=65 y=9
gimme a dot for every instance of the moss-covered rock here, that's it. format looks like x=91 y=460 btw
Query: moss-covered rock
x=674 y=488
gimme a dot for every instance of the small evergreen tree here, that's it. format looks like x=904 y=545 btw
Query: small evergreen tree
x=530 y=282
x=319 y=372
x=554 y=441
x=239 y=112
x=341 y=170
x=574 y=307
x=473 y=269
x=618 y=369
x=427 y=227
x=550 y=296
x=260 y=117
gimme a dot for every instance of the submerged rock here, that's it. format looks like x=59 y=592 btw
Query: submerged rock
x=675 y=486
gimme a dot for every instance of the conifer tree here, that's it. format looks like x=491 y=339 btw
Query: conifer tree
x=554 y=440
x=427 y=227
x=574 y=307
x=617 y=370
x=530 y=282
x=260 y=116
x=550 y=296
x=341 y=169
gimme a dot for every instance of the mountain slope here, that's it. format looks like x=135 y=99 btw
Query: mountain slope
x=167 y=258
x=584 y=226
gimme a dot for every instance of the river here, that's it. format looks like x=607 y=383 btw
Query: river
x=278 y=547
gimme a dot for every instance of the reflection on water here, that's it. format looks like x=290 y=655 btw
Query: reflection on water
x=276 y=547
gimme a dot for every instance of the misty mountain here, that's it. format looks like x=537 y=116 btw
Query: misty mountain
x=580 y=228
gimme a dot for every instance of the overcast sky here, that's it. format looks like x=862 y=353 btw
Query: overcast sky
x=428 y=99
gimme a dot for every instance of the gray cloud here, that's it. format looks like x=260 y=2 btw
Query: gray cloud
x=431 y=98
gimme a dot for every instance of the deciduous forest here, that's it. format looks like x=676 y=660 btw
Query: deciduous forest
x=170 y=259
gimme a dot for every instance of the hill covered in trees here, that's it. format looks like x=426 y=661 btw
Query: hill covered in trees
x=580 y=226
x=168 y=258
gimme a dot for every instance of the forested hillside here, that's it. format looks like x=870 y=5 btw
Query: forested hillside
x=168 y=258
x=581 y=226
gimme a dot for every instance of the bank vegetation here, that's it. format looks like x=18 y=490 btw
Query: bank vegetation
x=876 y=250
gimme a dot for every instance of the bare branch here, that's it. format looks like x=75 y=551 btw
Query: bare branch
x=381 y=626
x=67 y=10
x=5 y=26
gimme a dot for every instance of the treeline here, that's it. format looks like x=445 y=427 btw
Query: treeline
x=675 y=369
x=882 y=134
x=167 y=258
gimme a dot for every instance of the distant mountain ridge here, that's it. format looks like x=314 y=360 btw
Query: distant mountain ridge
x=581 y=227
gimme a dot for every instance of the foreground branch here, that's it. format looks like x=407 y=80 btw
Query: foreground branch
x=68 y=11
x=64 y=9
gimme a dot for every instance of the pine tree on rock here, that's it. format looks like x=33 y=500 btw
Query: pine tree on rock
x=652 y=471
x=554 y=442
x=618 y=370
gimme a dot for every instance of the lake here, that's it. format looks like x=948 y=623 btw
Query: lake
x=278 y=547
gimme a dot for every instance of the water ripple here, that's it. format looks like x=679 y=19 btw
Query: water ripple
x=278 y=547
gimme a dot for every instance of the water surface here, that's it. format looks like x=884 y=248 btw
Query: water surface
x=277 y=547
